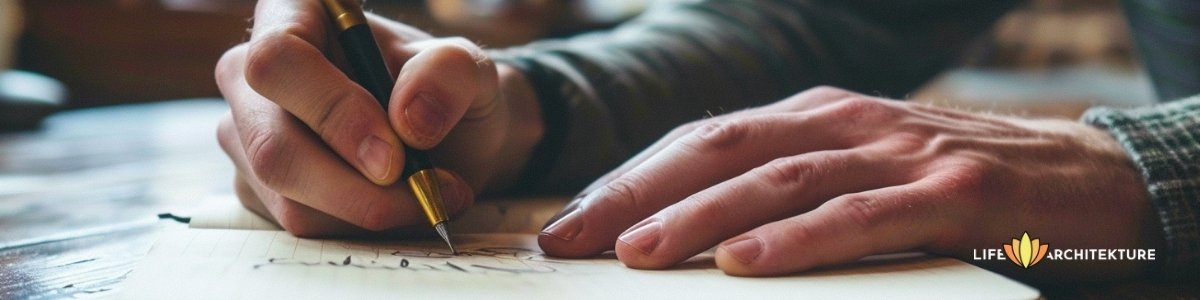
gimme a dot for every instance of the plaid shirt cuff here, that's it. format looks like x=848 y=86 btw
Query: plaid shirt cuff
x=1164 y=142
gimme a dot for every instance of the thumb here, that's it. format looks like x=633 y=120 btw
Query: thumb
x=447 y=79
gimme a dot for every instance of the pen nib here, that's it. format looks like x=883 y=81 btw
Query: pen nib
x=441 y=230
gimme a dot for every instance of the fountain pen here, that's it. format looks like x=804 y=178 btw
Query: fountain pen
x=362 y=53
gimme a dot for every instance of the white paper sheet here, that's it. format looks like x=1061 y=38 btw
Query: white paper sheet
x=192 y=263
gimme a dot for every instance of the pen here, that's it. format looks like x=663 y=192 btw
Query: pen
x=370 y=71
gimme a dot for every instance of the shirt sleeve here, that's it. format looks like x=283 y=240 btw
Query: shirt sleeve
x=606 y=95
x=1164 y=142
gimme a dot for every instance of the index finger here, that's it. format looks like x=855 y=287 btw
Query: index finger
x=287 y=63
x=303 y=18
x=810 y=99
x=307 y=20
x=690 y=164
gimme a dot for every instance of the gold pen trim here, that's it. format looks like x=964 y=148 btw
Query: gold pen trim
x=424 y=186
x=343 y=15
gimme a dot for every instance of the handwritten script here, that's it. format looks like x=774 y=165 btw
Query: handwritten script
x=260 y=264
x=486 y=260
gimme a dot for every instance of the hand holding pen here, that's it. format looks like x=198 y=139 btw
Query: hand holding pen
x=318 y=154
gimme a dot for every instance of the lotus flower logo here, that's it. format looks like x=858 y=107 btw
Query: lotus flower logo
x=1026 y=252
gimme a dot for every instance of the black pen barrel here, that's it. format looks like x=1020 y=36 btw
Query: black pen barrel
x=366 y=62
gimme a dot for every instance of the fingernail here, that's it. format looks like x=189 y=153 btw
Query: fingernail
x=375 y=155
x=569 y=208
x=745 y=250
x=426 y=116
x=567 y=227
x=644 y=237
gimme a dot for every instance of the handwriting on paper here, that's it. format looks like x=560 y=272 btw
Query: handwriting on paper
x=487 y=260
x=256 y=264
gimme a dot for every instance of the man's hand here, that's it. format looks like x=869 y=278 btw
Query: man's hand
x=828 y=176
x=317 y=153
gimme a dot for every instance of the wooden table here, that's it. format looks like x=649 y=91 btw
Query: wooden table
x=79 y=197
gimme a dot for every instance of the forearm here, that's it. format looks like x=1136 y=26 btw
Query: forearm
x=682 y=61
x=1162 y=140
x=525 y=127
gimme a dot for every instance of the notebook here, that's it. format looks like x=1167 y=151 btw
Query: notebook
x=227 y=252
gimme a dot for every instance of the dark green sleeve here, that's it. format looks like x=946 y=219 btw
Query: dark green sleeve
x=606 y=95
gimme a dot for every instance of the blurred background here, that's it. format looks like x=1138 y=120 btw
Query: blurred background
x=1064 y=53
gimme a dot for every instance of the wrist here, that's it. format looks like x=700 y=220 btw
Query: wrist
x=526 y=126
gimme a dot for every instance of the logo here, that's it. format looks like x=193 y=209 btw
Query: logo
x=1025 y=252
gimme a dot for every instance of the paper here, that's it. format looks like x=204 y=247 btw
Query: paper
x=225 y=212
x=502 y=215
x=270 y=264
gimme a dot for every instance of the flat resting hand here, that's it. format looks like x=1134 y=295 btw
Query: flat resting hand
x=828 y=176
x=318 y=155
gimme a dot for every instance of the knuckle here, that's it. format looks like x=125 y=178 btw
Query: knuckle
x=601 y=182
x=228 y=66
x=825 y=91
x=292 y=218
x=245 y=193
x=799 y=235
x=268 y=157
x=458 y=41
x=818 y=94
x=246 y=198
x=942 y=144
x=967 y=179
x=856 y=108
x=910 y=137
x=708 y=209
x=341 y=124
x=226 y=133
x=261 y=56
x=716 y=136
x=458 y=49
x=919 y=130
x=863 y=212
x=471 y=49
x=788 y=171
x=331 y=112
x=624 y=192
x=264 y=55
x=687 y=128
